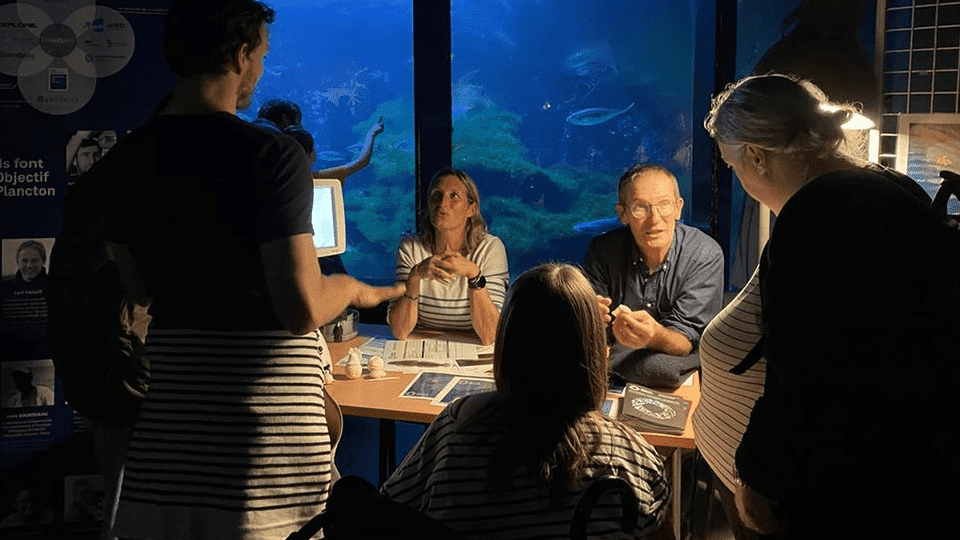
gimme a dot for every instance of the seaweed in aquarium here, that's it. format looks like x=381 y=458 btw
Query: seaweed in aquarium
x=487 y=137
x=683 y=156
x=382 y=214
x=524 y=228
x=580 y=179
x=395 y=151
x=350 y=88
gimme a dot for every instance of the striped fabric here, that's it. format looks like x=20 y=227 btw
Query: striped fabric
x=231 y=441
x=447 y=476
x=726 y=400
x=447 y=307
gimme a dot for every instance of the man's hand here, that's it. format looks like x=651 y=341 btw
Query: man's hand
x=604 y=304
x=757 y=511
x=370 y=296
x=634 y=329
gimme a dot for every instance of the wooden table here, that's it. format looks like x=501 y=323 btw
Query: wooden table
x=380 y=398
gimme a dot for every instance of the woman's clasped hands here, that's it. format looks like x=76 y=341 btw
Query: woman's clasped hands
x=446 y=266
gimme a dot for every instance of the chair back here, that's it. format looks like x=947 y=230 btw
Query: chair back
x=628 y=504
x=356 y=510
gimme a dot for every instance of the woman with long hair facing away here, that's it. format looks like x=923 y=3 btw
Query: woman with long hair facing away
x=455 y=272
x=513 y=463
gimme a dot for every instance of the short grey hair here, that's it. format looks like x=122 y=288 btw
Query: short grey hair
x=631 y=174
x=780 y=113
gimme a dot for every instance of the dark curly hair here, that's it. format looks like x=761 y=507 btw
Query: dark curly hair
x=303 y=137
x=283 y=113
x=202 y=36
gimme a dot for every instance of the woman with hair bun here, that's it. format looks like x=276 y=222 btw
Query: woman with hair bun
x=857 y=333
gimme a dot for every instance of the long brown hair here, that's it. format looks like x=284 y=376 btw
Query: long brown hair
x=476 y=228
x=550 y=367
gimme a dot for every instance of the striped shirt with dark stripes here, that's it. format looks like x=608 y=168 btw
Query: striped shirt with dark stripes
x=231 y=441
x=450 y=475
x=447 y=307
x=726 y=400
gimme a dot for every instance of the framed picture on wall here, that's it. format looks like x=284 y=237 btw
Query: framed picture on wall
x=926 y=145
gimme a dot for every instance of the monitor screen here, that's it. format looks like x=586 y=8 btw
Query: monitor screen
x=329 y=227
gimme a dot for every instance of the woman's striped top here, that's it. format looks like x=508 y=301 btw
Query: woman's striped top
x=447 y=307
x=726 y=400
x=450 y=476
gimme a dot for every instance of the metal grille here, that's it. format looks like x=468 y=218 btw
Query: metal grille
x=920 y=50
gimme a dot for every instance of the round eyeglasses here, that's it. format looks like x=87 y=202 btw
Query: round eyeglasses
x=641 y=210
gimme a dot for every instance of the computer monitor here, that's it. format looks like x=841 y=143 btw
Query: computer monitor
x=329 y=226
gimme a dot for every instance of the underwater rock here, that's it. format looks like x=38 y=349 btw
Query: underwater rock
x=539 y=191
x=591 y=62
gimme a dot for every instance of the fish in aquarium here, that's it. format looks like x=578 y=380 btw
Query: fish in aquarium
x=467 y=96
x=591 y=62
x=406 y=144
x=596 y=115
x=597 y=226
x=330 y=155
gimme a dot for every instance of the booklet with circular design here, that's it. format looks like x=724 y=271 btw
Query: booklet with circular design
x=649 y=410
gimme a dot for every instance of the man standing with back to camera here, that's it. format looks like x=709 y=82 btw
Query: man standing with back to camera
x=231 y=440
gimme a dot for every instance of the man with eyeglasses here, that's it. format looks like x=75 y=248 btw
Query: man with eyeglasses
x=661 y=280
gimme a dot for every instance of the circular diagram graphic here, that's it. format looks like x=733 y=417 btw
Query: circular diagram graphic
x=57 y=58
x=653 y=408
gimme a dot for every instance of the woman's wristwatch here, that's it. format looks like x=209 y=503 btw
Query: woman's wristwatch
x=478 y=282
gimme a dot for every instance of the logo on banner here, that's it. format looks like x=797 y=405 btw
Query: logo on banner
x=57 y=62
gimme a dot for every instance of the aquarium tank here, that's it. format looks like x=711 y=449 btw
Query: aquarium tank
x=551 y=101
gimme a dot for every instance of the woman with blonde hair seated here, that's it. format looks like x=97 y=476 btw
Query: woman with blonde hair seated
x=514 y=463
x=454 y=270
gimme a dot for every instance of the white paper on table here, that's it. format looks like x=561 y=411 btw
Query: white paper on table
x=415 y=365
x=374 y=346
x=415 y=355
x=435 y=348
x=465 y=351
x=415 y=348
x=428 y=348
x=394 y=349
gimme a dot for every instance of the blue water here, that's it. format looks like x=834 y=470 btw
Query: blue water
x=520 y=70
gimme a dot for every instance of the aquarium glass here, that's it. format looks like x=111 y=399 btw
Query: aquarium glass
x=553 y=100
x=348 y=64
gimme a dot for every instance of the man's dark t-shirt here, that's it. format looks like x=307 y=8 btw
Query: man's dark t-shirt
x=194 y=196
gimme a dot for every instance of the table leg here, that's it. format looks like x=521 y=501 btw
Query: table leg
x=670 y=529
x=388 y=449
x=675 y=480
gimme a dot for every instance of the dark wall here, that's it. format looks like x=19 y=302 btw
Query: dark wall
x=65 y=74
